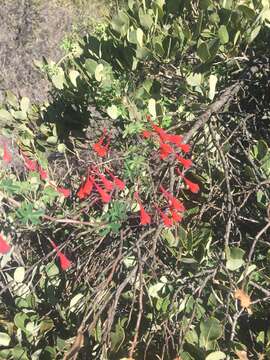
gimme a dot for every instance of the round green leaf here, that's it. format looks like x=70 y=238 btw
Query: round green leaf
x=112 y=111
x=211 y=330
x=52 y=140
x=59 y=79
x=4 y=339
x=234 y=258
x=73 y=74
x=5 y=116
x=19 y=274
x=203 y=52
x=223 y=34
x=25 y=104
x=91 y=66
x=216 y=355
x=61 y=148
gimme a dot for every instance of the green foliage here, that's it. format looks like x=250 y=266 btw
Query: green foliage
x=141 y=292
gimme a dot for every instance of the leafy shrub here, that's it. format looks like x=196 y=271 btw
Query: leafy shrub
x=128 y=239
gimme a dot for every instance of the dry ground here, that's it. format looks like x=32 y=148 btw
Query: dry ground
x=30 y=29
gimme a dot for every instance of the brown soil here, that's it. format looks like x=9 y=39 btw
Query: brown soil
x=30 y=29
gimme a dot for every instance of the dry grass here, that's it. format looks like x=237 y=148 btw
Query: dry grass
x=30 y=29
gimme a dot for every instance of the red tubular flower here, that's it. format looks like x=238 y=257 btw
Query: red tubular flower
x=176 y=217
x=175 y=203
x=65 y=263
x=119 y=183
x=194 y=188
x=175 y=139
x=64 y=191
x=7 y=157
x=146 y=134
x=107 y=183
x=168 y=222
x=105 y=197
x=4 y=246
x=185 y=148
x=165 y=150
x=88 y=186
x=144 y=216
x=187 y=163
x=99 y=147
x=85 y=189
x=31 y=165
x=43 y=173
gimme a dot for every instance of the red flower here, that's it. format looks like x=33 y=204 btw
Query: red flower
x=176 y=217
x=187 y=163
x=175 y=139
x=31 y=165
x=4 y=246
x=191 y=185
x=7 y=157
x=85 y=189
x=105 y=197
x=99 y=147
x=64 y=191
x=43 y=173
x=165 y=150
x=185 y=148
x=144 y=216
x=146 y=134
x=175 y=203
x=119 y=183
x=65 y=263
x=168 y=222
x=107 y=183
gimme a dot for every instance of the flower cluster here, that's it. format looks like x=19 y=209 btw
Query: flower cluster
x=169 y=145
x=104 y=185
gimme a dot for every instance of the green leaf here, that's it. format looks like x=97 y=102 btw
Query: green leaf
x=91 y=66
x=152 y=107
x=113 y=112
x=19 y=274
x=203 y=52
x=58 y=79
x=11 y=99
x=52 y=140
x=25 y=104
x=212 y=86
x=19 y=353
x=234 y=258
x=76 y=302
x=145 y=19
x=216 y=355
x=61 y=147
x=99 y=72
x=211 y=330
x=73 y=75
x=194 y=79
x=118 y=336
x=5 y=116
x=139 y=37
x=20 y=319
x=154 y=289
x=254 y=33
x=223 y=34
x=4 y=339
x=120 y=23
